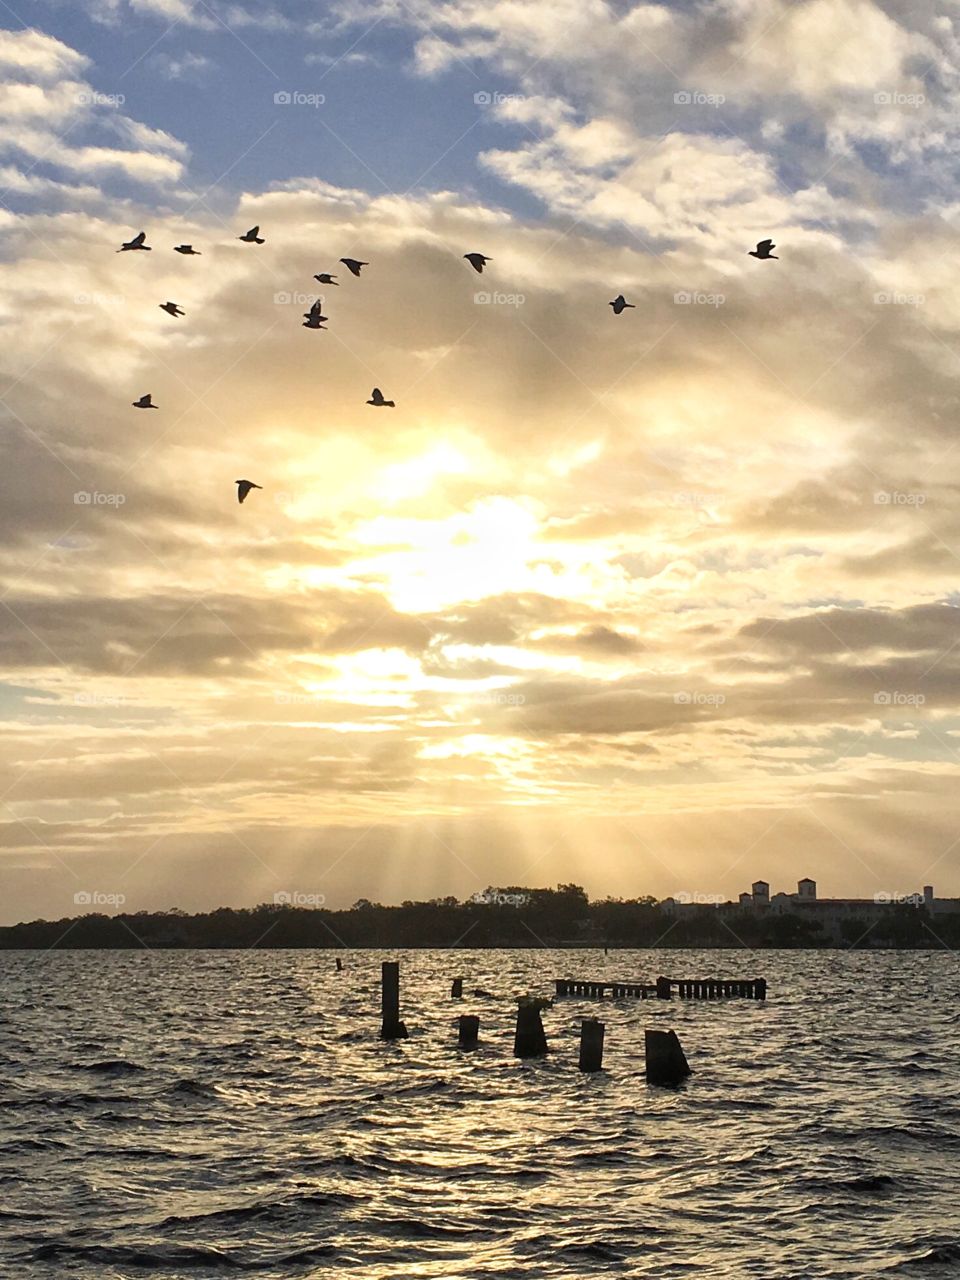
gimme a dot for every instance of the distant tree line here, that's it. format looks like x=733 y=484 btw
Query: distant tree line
x=505 y=917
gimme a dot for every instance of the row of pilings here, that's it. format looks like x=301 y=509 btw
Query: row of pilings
x=666 y=988
x=666 y=1062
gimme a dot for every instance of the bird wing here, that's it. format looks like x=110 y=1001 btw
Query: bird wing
x=140 y=238
x=376 y=395
x=254 y=231
x=765 y=244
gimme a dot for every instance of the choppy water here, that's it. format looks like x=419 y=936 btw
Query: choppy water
x=197 y=1114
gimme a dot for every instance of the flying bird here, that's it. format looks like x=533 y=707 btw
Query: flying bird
x=171 y=309
x=314 y=318
x=252 y=236
x=325 y=278
x=477 y=260
x=244 y=487
x=187 y=249
x=353 y=265
x=136 y=243
x=144 y=403
x=619 y=303
x=376 y=397
x=763 y=250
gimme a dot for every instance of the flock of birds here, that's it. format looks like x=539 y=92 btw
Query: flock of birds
x=314 y=318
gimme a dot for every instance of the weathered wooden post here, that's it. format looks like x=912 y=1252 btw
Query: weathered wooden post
x=456 y=991
x=469 y=1031
x=666 y=1061
x=760 y=988
x=339 y=965
x=663 y=989
x=530 y=1040
x=591 y=1044
x=391 y=1028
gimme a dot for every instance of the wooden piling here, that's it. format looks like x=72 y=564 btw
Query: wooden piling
x=391 y=1028
x=530 y=1040
x=663 y=989
x=339 y=965
x=469 y=1030
x=591 y=1044
x=759 y=988
x=666 y=1061
x=456 y=991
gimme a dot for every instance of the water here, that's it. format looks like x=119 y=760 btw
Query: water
x=200 y=1114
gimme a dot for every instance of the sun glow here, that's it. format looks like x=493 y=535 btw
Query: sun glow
x=432 y=564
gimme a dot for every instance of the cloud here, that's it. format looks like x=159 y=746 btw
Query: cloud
x=54 y=120
x=650 y=571
x=193 y=68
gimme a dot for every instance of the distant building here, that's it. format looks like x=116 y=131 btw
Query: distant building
x=831 y=914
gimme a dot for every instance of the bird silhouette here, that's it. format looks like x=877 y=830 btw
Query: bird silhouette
x=477 y=260
x=619 y=304
x=171 y=309
x=144 y=403
x=252 y=236
x=763 y=250
x=376 y=397
x=353 y=265
x=244 y=487
x=187 y=249
x=314 y=318
x=325 y=278
x=136 y=243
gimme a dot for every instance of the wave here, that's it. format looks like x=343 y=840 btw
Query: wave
x=109 y=1067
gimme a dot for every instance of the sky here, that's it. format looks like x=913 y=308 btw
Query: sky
x=657 y=602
